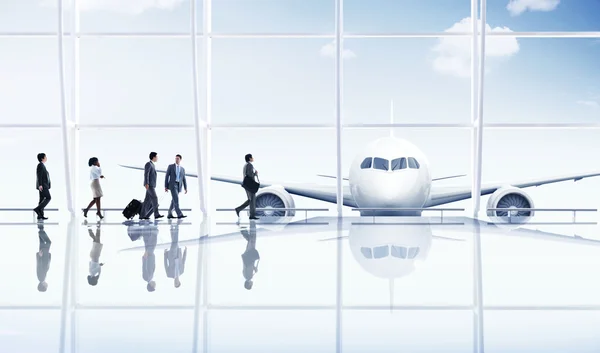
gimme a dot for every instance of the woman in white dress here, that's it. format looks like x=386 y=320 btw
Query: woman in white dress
x=95 y=176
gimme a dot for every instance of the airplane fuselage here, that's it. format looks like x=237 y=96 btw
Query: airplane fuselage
x=390 y=173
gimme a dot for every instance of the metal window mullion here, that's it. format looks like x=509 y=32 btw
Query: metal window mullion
x=475 y=190
x=197 y=122
x=338 y=102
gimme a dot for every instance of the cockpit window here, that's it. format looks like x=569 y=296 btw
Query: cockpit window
x=380 y=163
x=381 y=251
x=412 y=163
x=366 y=164
x=413 y=252
x=367 y=252
x=399 y=163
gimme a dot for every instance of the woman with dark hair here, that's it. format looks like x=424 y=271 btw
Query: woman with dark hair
x=95 y=176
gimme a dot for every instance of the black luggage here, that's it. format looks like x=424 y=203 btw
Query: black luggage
x=250 y=184
x=134 y=207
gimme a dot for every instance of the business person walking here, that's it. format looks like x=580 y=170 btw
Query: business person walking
x=95 y=176
x=151 y=200
x=250 y=257
x=42 y=185
x=248 y=172
x=174 y=180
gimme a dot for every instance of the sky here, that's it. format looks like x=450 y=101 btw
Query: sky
x=291 y=81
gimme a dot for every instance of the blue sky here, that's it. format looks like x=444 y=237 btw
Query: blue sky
x=148 y=81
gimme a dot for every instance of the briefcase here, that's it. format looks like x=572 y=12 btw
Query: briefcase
x=250 y=184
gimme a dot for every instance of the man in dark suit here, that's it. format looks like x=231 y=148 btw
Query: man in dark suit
x=42 y=184
x=43 y=258
x=151 y=200
x=248 y=172
x=174 y=180
x=174 y=261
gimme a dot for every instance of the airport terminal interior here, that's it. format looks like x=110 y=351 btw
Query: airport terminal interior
x=428 y=176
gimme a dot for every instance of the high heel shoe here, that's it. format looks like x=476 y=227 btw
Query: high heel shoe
x=99 y=215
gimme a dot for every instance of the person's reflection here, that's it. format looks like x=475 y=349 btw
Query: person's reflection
x=95 y=265
x=150 y=237
x=174 y=261
x=250 y=257
x=42 y=258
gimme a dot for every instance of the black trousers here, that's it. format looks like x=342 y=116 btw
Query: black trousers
x=250 y=201
x=44 y=200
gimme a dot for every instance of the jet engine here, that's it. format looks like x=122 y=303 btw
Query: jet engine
x=274 y=197
x=510 y=197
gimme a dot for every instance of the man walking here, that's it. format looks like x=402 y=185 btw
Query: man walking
x=174 y=180
x=151 y=200
x=249 y=172
x=42 y=185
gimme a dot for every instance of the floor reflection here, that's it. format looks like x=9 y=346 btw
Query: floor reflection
x=349 y=285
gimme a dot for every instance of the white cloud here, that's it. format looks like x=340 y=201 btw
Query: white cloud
x=130 y=7
x=328 y=50
x=453 y=54
x=517 y=7
x=589 y=103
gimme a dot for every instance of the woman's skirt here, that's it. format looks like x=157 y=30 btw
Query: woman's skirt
x=96 y=188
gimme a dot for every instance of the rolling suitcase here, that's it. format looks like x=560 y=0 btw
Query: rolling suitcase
x=132 y=209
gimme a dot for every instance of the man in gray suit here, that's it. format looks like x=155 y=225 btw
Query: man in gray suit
x=249 y=172
x=151 y=200
x=174 y=179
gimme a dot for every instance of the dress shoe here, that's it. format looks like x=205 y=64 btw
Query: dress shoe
x=182 y=216
x=254 y=218
x=159 y=216
x=170 y=216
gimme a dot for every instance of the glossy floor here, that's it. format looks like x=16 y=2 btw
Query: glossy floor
x=352 y=286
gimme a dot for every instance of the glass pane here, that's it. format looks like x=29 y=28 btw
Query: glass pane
x=30 y=330
x=114 y=330
x=568 y=63
x=138 y=16
x=307 y=331
x=135 y=277
x=380 y=163
x=404 y=16
x=276 y=153
x=22 y=147
x=413 y=252
x=28 y=16
x=30 y=83
x=366 y=164
x=454 y=142
x=367 y=252
x=532 y=154
x=136 y=81
x=399 y=252
x=412 y=163
x=399 y=163
x=276 y=81
x=283 y=277
x=41 y=263
x=541 y=331
x=121 y=185
x=414 y=331
x=273 y=16
x=551 y=15
x=410 y=72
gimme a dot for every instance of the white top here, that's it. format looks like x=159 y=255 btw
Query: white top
x=95 y=172
x=95 y=268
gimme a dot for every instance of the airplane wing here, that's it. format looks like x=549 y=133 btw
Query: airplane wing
x=443 y=195
x=314 y=191
x=434 y=179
